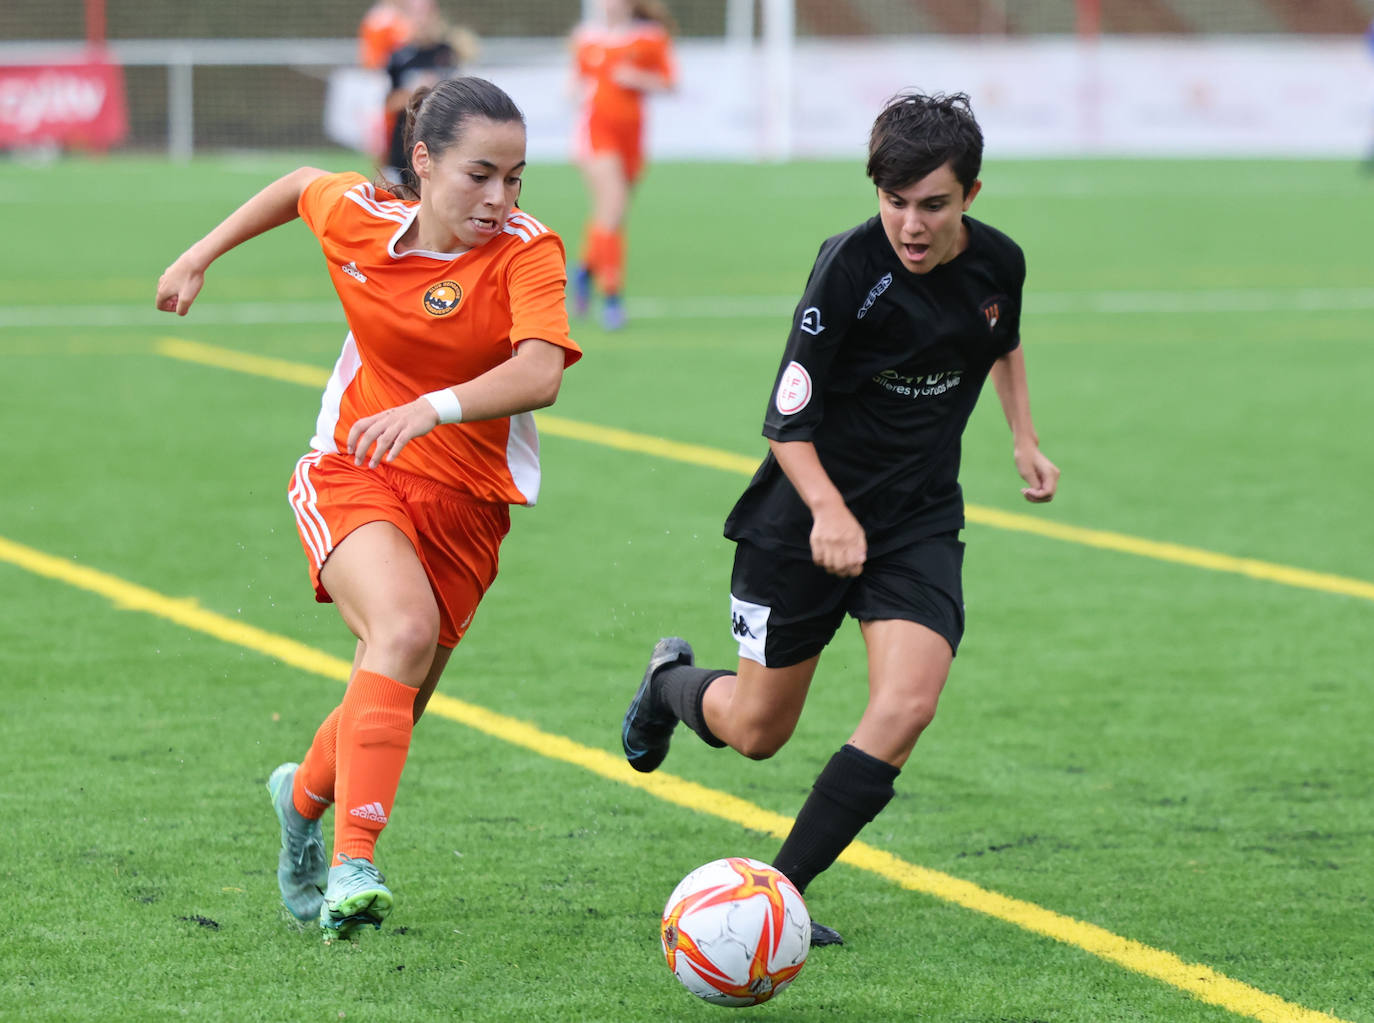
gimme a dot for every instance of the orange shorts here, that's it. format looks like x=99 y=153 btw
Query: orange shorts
x=623 y=138
x=456 y=538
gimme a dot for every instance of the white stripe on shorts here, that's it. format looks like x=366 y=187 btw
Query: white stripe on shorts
x=313 y=528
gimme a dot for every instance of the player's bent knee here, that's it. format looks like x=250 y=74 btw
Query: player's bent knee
x=911 y=715
x=407 y=636
x=918 y=714
x=756 y=751
x=761 y=743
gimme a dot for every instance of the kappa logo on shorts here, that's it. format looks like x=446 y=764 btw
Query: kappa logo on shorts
x=442 y=298
x=749 y=623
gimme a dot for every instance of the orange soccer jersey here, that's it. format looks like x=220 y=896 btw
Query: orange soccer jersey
x=426 y=320
x=612 y=114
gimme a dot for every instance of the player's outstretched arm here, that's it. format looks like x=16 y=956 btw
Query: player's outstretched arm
x=1041 y=475
x=276 y=204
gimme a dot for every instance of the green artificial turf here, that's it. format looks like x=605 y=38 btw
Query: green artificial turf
x=1177 y=754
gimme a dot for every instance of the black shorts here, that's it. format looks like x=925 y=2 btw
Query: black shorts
x=784 y=610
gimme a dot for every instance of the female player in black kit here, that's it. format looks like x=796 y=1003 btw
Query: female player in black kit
x=857 y=507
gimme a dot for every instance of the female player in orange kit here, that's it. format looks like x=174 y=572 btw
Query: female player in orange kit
x=455 y=301
x=617 y=62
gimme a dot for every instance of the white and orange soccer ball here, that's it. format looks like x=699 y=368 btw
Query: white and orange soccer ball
x=736 y=932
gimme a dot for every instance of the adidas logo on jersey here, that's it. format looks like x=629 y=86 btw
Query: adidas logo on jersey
x=370 y=812
x=352 y=270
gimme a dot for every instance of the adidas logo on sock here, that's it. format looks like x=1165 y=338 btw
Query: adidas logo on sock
x=370 y=812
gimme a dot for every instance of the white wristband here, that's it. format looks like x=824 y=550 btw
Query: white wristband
x=446 y=405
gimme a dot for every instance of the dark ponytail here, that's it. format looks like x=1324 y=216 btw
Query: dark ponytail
x=438 y=115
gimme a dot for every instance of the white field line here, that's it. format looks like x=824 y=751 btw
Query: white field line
x=144 y=315
x=722 y=307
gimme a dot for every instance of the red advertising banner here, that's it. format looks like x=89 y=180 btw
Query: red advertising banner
x=79 y=104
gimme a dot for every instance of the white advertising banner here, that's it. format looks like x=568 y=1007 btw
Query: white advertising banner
x=1053 y=96
x=1114 y=96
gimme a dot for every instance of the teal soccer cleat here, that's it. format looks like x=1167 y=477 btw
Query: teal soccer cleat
x=648 y=725
x=357 y=895
x=302 y=866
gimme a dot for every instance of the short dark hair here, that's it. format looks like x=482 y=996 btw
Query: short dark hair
x=917 y=133
x=438 y=116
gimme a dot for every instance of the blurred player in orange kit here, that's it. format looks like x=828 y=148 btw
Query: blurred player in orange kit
x=617 y=61
x=384 y=30
x=435 y=50
x=458 y=328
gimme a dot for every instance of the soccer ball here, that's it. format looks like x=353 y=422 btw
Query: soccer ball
x=736 y=932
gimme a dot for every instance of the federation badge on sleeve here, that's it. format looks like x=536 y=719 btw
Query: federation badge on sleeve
x=794 y=389
x=442 y=298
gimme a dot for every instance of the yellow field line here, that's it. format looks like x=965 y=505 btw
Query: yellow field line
x=1200 y=981
x=697 y=454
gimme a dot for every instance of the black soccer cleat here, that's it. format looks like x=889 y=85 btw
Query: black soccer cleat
x=649 y=723
x=823 y=935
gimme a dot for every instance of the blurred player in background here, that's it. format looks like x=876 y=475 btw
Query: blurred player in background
x=384 y=30
x=458 y=327
x=857 y=507
x=434 y=50
x=617 y=62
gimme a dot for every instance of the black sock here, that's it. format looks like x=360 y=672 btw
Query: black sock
x=682 y=687
x=850 y=792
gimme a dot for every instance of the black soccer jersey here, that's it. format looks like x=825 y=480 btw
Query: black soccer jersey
x=410 y=67
x=881 y=373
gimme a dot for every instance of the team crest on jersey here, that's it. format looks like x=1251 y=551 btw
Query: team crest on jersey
x=992 y=309
x=442 y=298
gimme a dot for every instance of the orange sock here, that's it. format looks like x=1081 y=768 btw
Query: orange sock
x=375 y=723
x=591 y=248
x=313 y=789
x=612 y=273
x=596 y=253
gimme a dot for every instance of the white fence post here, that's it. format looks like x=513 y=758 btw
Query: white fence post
x=779 y=41
x=739 y=22
x=181 y=106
